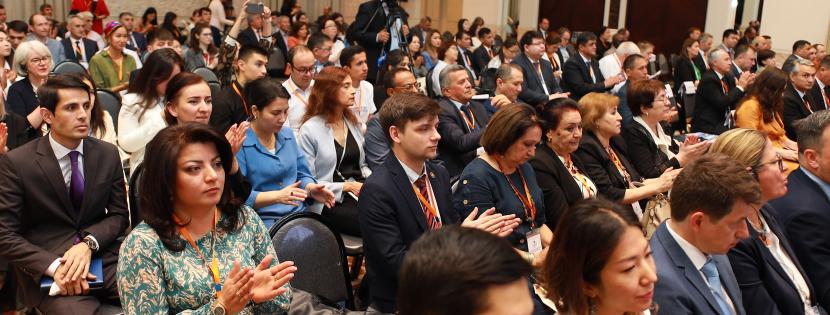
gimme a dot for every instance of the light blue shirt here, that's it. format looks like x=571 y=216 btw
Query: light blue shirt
x=825 y=187
x=55 y=48
x=270 y=172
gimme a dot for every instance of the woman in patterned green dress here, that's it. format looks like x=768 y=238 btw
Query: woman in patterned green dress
x=199 y=249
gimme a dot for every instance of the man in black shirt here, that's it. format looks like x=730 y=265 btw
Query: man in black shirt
x=229 y=107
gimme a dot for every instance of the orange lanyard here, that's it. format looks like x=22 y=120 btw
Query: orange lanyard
x=244 y=105
x=214 y=265
x=618 y=164
x=569 y=164
x=471 y=121
x=294 y=89
x=526 y=199
x=358 y=99
x=430 y=204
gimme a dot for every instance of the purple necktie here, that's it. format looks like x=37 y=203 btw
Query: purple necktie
x=76 y=183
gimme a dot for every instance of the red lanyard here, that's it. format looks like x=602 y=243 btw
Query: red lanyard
x=214 y=265
x=206 y=56
x=244 y=105
x=526 y=199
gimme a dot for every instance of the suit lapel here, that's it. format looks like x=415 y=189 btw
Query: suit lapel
x=405 y=187
x=52 y=172
x=682 y=262
x=727 y=280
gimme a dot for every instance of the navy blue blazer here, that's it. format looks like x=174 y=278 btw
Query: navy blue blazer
x=391 y=218
x=766 y=288
x=458 y=144
x=576 y=77
x=90 y=48
x=804 y=212
x=680 y=287
x=711 y=104
x=532 y=91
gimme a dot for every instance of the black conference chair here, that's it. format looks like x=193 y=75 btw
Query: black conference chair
x=111 y=103
x=68 y=66
x=276 y=63
x=206 y=74
x=133 y=196
x=354 y=249
x=310 y=242
x=215 y=88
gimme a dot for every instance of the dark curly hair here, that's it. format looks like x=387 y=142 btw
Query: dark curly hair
x=158 y=180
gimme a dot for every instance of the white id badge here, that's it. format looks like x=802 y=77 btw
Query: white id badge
x=534 y=241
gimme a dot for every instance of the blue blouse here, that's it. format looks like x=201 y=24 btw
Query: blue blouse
x=428 y=60
x=482 y=186
x=270 y=172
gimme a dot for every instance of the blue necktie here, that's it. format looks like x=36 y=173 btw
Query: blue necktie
x=76 y=183
x=710 y=269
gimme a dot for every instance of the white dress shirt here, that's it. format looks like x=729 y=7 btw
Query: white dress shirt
x=364 y=102
x=610 y=66
x=297 y=104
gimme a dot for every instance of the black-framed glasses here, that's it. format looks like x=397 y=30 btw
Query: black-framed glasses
x=778 y=160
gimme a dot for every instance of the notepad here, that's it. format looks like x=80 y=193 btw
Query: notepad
x=96 y=267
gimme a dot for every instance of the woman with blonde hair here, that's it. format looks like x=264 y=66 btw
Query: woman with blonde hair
x=758 y=261
x=32 y=61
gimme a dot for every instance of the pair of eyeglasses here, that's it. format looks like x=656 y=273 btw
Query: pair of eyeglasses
x=778 y=160
x=40 y=60
x=305 y=70
x=409 y=86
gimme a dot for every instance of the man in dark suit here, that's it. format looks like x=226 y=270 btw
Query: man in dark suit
x=135 y=41
x=821 y=89
x=408 y=195
x=539 y=84
x=581 y=74
x=801 y=51
x=75 y=46
x=463 y=42
x=369 y=30
x=705 y=42
x=717 y=95
x=461 y=122
x=63 y=202
x=797 y=100
x=543 y=28
x=745 y=59
x=566 y=49
x=710 y=201
x=251 y=35
x=803 y=210
x=729 y=41
x=509 y=82
x=635 y=68
x=485 y=52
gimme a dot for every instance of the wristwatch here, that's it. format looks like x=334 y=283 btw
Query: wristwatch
x=217 y=309
x=92 y=244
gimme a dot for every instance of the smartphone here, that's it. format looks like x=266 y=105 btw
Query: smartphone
x=255 y=8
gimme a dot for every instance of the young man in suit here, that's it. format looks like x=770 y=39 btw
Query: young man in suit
x=485 y=52
x=745 y=59
x=581 y=74
x=801 y=51
x=63 y=201
x=798 y=103
x=636 y=69
x=539 y=85
x=718 y=94
x=463 y=42
x=75 y=46
x=409 y=195
x=461 y=122
x=803 y=210
x=710 y=201
x=135 y=40
x=821 y=90
x=729 y=41
x=543 y=27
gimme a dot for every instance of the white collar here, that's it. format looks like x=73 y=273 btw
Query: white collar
x=697 y=257
x=457 y=103
x=294 y=87
x=585 y=59
x=411 y=174
x=61 y=151
x=821 y=85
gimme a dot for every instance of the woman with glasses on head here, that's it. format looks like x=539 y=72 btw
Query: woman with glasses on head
x=650 y=149
x=202 y=51
x=32 y=61
x=769 y=274
x=763 y=108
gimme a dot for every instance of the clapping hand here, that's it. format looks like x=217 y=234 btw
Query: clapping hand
x=236 y=135
x=320 y=194
x=4 y=135
x=492 y=222
x=236 y=290
x=268 y=282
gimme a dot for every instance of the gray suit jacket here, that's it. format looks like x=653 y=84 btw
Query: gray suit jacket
x=680 y=288
x=317 y=143
x=376 y=147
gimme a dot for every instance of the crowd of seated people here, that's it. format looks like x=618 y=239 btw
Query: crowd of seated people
x=538 y=172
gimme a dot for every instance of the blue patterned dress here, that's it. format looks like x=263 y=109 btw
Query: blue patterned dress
x=155 y=280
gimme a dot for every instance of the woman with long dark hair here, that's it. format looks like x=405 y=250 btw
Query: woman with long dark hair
x=198 y=248
x=149 y=20
x=171 y=24
x=202 y=52
x=332 y=141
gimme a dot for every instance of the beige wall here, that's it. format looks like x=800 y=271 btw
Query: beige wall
x=788 y=21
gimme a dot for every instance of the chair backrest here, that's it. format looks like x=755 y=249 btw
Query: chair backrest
x=111 y=103
x=68 y=66
x=215 y=88
x=488 y=81
x=430 y=88
x=206 y=74
x=276 y=60
x=310 y=242
x=132 y=196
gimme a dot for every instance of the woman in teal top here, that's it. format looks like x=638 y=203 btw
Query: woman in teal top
x=111 y=68
x=199 y=250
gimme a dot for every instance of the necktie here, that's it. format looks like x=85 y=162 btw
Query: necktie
x=724 y=85
x=553 y=62
x=541 y=77
x=432 y=221
x=467 y=112
x=591 y=71
x=78 y=52
x=710 y=269
x=807 y=104
x=76 y=183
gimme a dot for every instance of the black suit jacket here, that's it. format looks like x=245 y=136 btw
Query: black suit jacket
x=369 y=21
x=684 y=71
x=819 y=103
x=38 y=222
x=558 y=186
x=21 y=98
x=19 y=129
x=701 y=64
x=90 y=48
x=599 y=167
x=458 y=144
x=711 y=104
x=141 y=42
x=391 y=218
x=480 y=59
x=463 y=55
x=765 y=286
x=247 y=37
x=576 y=77
x=803 y=213
x=532 y=91
x=649 y=161
x=795 y=109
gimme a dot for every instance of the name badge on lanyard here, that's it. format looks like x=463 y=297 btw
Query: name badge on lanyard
x=534 y=241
